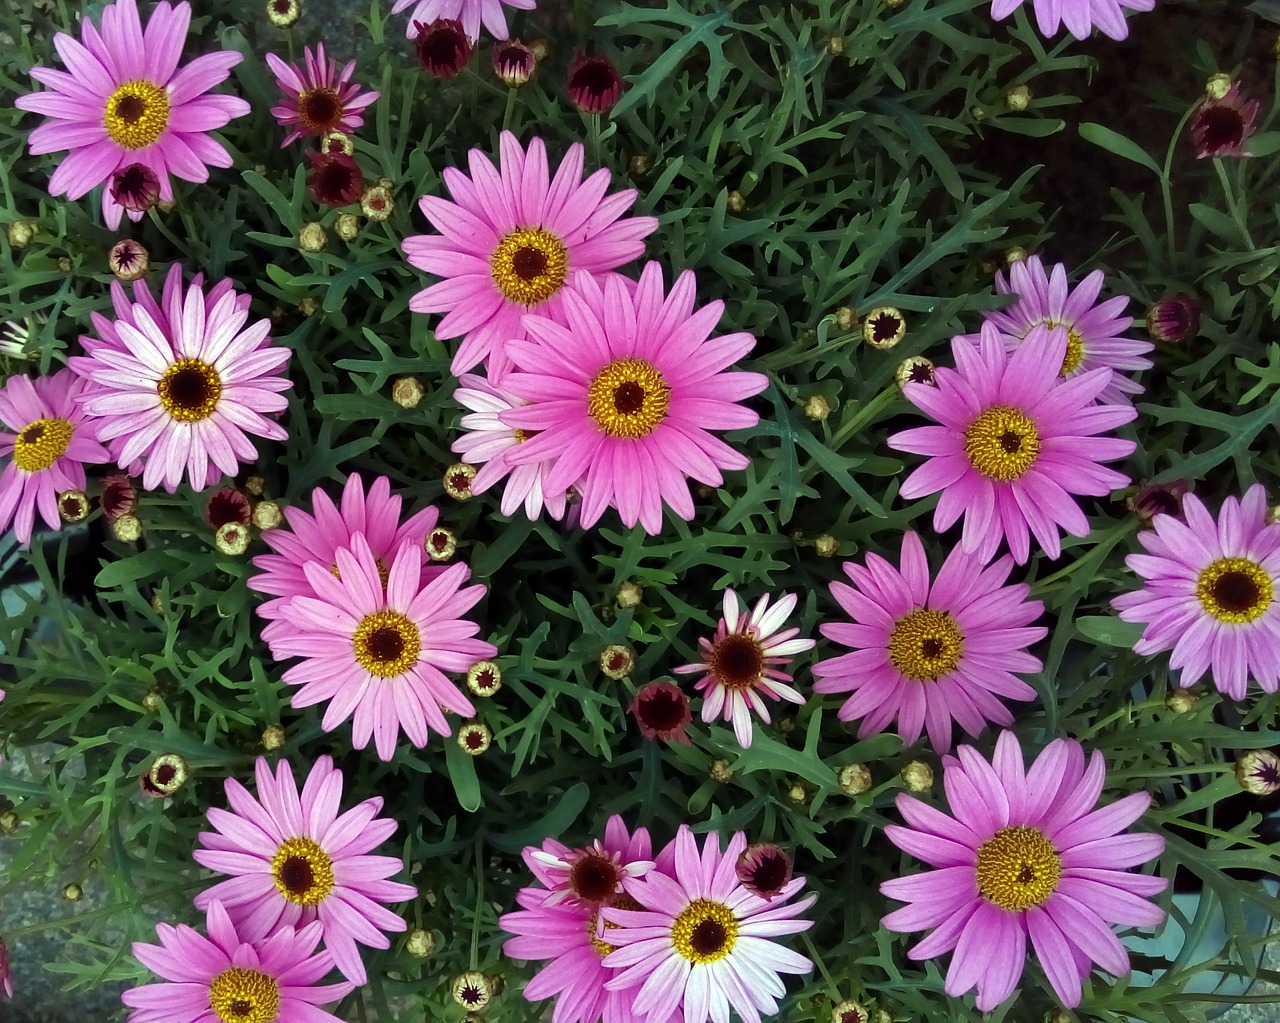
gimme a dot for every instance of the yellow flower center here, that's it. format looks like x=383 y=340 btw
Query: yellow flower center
x=1235 y=590
x=237 y=995
x=189 y=390
x=736 y=661
x=1018 y=868
x=628 y=398
x=925 y=645
x=529 y=265
x=137 y=114
x=1002 y=443
x=41 y=444
x=1075 y=348
x=603 y=948
x=303 y=871
x=320 y=111
x=387 y=644
x=705 y=931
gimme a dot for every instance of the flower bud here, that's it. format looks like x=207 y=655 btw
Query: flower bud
x=720 y=772
x=798 y=794
x=441 y=543
x=825 y=545
x=1017 y=98
x=817 y=407
x=629 y=594
x=849 y=1011
x=152 y=701
x=167 y=774
x=407 y=392
x=616 y=660
x=855 y=779
x=638 y=165
x=443 y=47
x=594 y=83
x=347 y=227
x=273 y=738
x=1258 y=772
x=846 y=318
x=335 y=179
x=1154 y=499
x=312 y=237
x=884 y=327
x=835 y=45
x=513 y=62
x=73 y=506
x=420 y=943
x=266 y=515
x=474 y=738
x=256 y=485
x=231 y=538
x=764 y=869
x=64 y=264
x=915 y=370
x=472 y=990
x=661 y=711
x=735 y=202
x=9 y=822
x=1174 y=319
x=283 y=13
x=1218 y=86
x=227 y=504
x=377 y=203
x=1014 y=254
x=541 y=48
x=128 y=260
x=338 y=143
x=127 y=528
x=1181 y=701
x=308 y=306
x=457 y=481
x=917 y=776
x=72 y=892
x=21 y=233
x=484 y=678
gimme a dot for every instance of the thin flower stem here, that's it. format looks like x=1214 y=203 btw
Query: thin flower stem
x=1166 y=186
x=1232 y=206
x=511 y=108
x=864 y=416
x=160 y=226
x=593 y=145
x=1104 y=544
x=475 y=920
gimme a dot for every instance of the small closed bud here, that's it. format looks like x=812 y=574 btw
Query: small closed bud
x=21 y=233
x=441 y=543
x=227 y=504
x=420 y=943
x=283 y=13
x=720 y=772
x=474 y=738
x=457 y=481
x=764 y=869
x=484 y=678
x=798 y=794
x=72 y=892
x=167 y=774
x=1273 y=515
x=9 y=822
x=73 y=506
x=347 y=227
x=472 y=990
x=884 y=327
x=629 y=594
x=541 y=48
x=166 y=206
x=882 y=1015
x=977 y=113
x=1017 y=98
x=594 y=83
x=661 y=711
x=232 y=539
x=1258 y=772
x=513 y=62
x=638 y=165
x=917 y=776
x=273 y=738
x=735 y=203
x=312 y=237
x=266 y=515
x=256 y=485
x=128 y=260
x=127 y=528
x=849 y=1011
x=825 y=545
x=835 y=45
x=158 y=604
x=407 y=392
x=616 y=660
x=1154 y=499
x=64 y=264
x=377 y=203
x=817 y=407
x=308 y=306
x=1014 y=254
x=443 y=47
x=1218 y=85
x=855 y=779
x=1059 y=1015
x=338 y=143
x=787 y=724
x=915 y=370
x=1174 y=319
x=846 y=318
x=152 y=701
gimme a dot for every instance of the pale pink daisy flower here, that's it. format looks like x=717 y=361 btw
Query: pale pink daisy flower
x=742 y=662
x=317 y=98
x=123 y=101
x=1026 y=855
x=487 y=442
x=1210 y=593
x=624 y=392
x=700 y=943
x=1095 y=330
x=509 y=241
x=1080 y=16
x=927 y=653
x=45 y=454
x=293 y=859
x=380 y=652
x=317 y=537
x=184 y=393
x=1015 y=443
x=224 y=979
x=469 y=12
x=570 y=932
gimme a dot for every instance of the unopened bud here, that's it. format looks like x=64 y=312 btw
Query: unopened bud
x=629 y=594
x=273 y=737
x=1181 y=701
x=256 y=485
x=846 y=317
x=266 y=515
x=616 y=660
x=128 y=260
x=21 y=233
x=312 y=237
x=817 y=407
x=798 y=794
x=474 y=738
x=1017 y=98
x=484 y=678
x=720 y=772
x=835 y=45
x=407 y=392
x=638 y=165
x=1218 y=86
x=884 y=327
x=167 y=774
x=347 y=227
x=472 y=990
x=735 y=203
x=377 y=203
x=9 y=822
x=283 y=13
x=825 y=545
x=915 y=370
x=855 y=779
x=441 y=543
x=420 y=943
x=231 y=538
x=849 y=1011
x=1258 y=772
x=308 y=306
x=127 y=528
x=73 y=506
x=72 y=892
x=1014 y=254
x=152 y=701
x=917 y=776
x=457 y=481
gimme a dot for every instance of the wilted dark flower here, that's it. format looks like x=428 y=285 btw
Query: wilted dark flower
x=1158 y=499
x=915 y=370
x=1220 y=127
x=661 y=710
x=73 y=506
x=164 y=777
x=119 y=496
x=443 y=48
x=1174 y=319
x=227 y=504
x=764 y=869
x=884 y=327
x=513 y=62
x=594 y=83
x=335 y=180
x=135 y=187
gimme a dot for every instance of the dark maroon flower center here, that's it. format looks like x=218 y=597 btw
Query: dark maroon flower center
x=1221 y=127
x=297 y=876
x=1011 y=442
x=884 y=327
x=474 y=740
x=32 y=433
x=594 y=878
x=529 y=263
x=129 y=108
x=771 y=873
x=189 y=389
x=1236 y=592
x=737 y=661
x=662 y=710
x=321 y=110
x=596 y=76
x=281 y=6
x=385 y=644
x=628 y=397
x=921 y=374
x=708 y=937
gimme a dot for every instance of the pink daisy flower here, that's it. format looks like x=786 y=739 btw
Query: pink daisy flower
x=223 y=978
x=6 y=969
x=293 y=860
x=1014 y=444
x=927 y=653
x=123 y=101
x=1025 y=856
x=1210 y=593
x=700 y=941
x=183 y=392
x=741 y=662
x=509 y=241
x=568 y=932
x=1095 y=333
x=624 y=392
x=316 y=97
x=1080 y=16
x=378 y=652
x=487 y=442
x=51 y=443
x=470 y=12
x=316 y=539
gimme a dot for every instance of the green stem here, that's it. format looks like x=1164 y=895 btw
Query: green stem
x=1166 y=186
x=511 y=107
x=593 y=138
x=865 y=415
x=475 y=920
x=23 y=930
x=1233 y=206
x=1109 y=539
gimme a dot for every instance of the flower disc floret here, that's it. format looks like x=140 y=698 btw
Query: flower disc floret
x=137 y=114
x=628 y=398
x=925 y=645
x=1002 y=443
x=237 y=995
x=302 y=871
x=42 y=443
x=529 y=265
x=1235 y=590
x=1018 y=868
x=705 y=931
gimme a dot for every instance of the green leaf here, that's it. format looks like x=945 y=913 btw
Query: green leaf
x=462 y=772
x=141 y=565
x=1116 y=143
x=1110 y=631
